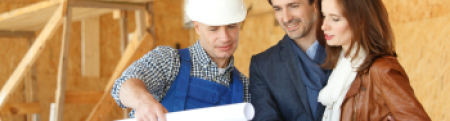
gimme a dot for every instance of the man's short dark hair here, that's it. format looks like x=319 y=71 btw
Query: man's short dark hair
x=310 y=2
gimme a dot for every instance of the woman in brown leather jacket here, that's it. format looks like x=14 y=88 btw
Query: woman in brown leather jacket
x=367 y=82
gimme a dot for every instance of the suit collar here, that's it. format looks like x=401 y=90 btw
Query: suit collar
x=285 y=42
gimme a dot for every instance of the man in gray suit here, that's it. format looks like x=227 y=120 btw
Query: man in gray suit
x=285 y=80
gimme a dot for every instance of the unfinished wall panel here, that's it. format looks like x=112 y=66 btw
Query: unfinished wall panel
x=110 y=43
x=169 y=24
x=12 y=51
x=47 y=64
x=47 y=68
x=254 y=37
x=10 y=57
x=424 y=53
x=90 y=47
x=416 y=10
x=176 y=7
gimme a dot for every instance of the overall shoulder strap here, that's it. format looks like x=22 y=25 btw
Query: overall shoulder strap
x=184 y=54
x=238 y=87
x=236 y=75
x=182 y=81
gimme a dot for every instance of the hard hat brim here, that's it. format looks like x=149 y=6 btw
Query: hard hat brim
x=217 y=12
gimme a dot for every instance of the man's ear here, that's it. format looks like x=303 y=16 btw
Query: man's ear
x=315 y=6
x=196 y=27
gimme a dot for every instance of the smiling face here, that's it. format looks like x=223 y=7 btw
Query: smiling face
x=296 y=17
x=219 y=42
x=335 y=26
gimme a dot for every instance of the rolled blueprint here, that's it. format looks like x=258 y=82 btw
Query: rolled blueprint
x=231 y=112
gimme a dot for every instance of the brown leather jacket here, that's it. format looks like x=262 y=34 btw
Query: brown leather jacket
x=381 y=91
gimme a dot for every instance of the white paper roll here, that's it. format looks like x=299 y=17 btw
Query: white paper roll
x=231 y=112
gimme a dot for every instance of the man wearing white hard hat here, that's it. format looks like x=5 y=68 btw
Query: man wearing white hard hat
x=202 y=75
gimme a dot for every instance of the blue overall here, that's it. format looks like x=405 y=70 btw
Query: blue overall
x=188 y=92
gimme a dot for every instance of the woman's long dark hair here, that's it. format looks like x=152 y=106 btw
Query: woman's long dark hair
x=371 y=31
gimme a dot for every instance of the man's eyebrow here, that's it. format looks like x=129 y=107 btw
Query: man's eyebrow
x=289 y=4
x=212 y=27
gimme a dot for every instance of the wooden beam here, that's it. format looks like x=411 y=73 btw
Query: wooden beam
x=33 y=108
x=76 y=97
x=30 y=80
x=151 y=18
x=79 y=14
x=17 y=33
x=129 y=1
x=34 y=17
x=31 y=90
x=124 y=41
x=31 y=56
x=141 y=23
x=28 y=10
x=98 y=4
x=62 y=68
x=123 y=31
x=90 y=47
x=107 y=102
x=117 y=14
x=19 y=17
x=20 y=108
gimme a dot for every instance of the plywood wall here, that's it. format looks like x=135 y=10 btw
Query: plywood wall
x=11 y=55
x=423 y=43
x=9 y=63
x=169 y=23
x=13 y=49
x=47 y=68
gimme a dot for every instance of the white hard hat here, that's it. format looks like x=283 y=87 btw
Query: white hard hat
x=216 y=12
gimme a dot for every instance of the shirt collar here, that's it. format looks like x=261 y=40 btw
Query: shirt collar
x=311 y=51
x=319 y=53
x=204 y=59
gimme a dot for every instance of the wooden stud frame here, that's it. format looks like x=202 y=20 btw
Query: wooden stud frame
x=31 y=55
x=63 y=63
x=64 y=13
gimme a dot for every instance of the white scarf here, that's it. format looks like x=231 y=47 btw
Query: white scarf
x=339 y=82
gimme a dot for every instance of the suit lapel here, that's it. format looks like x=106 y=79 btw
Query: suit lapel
x=289 y=59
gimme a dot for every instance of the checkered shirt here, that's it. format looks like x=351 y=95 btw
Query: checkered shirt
x=160 y=67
